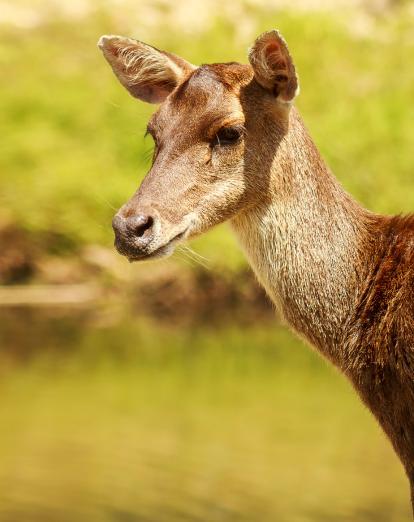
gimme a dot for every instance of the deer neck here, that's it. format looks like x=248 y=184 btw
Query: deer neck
x=307 y=242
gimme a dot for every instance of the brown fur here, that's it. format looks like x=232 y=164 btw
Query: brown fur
x=379 y=349
x=341 y=276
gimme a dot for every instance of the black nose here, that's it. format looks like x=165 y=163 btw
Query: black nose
x=139 y=225
x=133 y=233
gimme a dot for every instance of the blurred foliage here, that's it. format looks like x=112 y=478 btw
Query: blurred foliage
x=73 y=146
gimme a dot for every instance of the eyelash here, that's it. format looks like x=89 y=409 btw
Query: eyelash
x=227 y=136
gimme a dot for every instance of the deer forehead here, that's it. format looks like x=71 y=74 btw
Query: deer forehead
x=207 y=100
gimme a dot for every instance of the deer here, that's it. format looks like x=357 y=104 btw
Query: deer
x=230 y=145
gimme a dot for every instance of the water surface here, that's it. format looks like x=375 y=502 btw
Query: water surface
x=109 y=417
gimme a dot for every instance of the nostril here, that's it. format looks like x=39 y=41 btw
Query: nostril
x=140 y=224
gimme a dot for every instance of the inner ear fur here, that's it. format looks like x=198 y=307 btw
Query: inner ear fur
x=273 y=66
x=146 y=72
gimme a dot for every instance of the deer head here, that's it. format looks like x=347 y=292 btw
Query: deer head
x=215 y=133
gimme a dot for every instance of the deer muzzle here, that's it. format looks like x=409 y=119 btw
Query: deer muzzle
x=143 y=235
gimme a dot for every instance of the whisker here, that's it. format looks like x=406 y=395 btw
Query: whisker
x=194 y=261
x=196 y=254
x=102 y=198
x=147 y=155
x=197 y=258
x=113 y=104
x=188 y=260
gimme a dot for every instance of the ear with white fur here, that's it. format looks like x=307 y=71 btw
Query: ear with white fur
x=273 y=66
x=148 y=74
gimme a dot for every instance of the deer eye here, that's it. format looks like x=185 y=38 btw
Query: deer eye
x=227 y=136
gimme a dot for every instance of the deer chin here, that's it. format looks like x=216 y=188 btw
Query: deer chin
x=164 y=250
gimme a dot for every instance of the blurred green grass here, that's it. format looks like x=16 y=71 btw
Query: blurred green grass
x=73 y=146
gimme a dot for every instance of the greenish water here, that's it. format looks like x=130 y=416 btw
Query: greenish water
x=105 y=420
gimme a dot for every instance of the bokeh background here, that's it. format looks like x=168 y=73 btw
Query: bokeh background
x=169 y=391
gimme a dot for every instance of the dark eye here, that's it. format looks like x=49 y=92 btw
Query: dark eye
x=227 y=136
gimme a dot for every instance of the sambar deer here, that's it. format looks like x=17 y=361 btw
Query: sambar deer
x=230 y=145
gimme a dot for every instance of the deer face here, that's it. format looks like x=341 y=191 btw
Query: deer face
x=214 y=130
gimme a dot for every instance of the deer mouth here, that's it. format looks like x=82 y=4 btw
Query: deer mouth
x=164 y=250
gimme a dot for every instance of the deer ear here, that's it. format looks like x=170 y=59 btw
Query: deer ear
x=148 y=74
x=273 y=66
